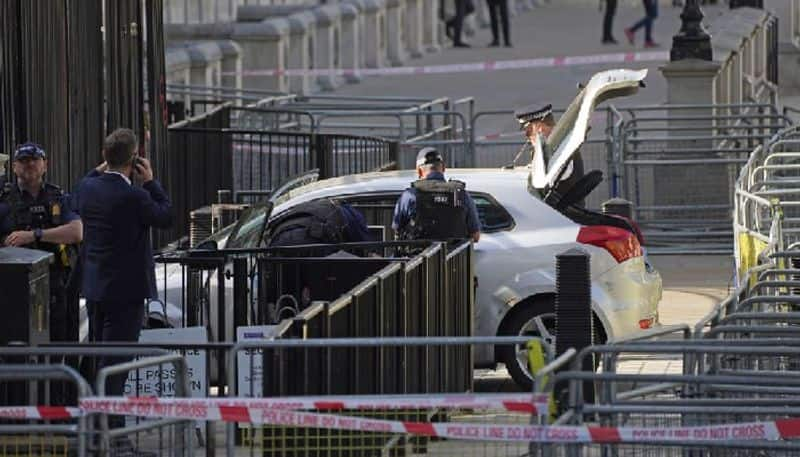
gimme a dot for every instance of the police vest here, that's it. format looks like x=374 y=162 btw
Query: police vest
x=315 y=222
x=441 y=210
x=44 y=213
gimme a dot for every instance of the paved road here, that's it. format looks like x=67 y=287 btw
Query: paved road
x=549 y=31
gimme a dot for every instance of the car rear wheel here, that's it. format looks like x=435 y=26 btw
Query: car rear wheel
x=534 y=317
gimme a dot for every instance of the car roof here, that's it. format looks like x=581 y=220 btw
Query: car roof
x=477 y=179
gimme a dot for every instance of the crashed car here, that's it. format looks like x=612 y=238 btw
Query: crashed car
x=524 y=226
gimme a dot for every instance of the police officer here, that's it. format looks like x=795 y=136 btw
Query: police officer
x=434 y=208
x=36 y=214
x=538 y=120
x=319 y=222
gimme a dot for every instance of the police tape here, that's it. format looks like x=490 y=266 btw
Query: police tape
x=217 y=410
x=516 y=64
x=39 y=412
x=522 y=403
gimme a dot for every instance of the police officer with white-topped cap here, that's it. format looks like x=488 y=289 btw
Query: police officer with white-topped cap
x=538 y=120
x=434 y=208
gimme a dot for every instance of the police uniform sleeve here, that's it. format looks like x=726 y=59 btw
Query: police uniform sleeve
x=473 y=221
x=68 y=213
x=402 y=210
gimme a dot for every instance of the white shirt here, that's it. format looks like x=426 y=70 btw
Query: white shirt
x=127 y=179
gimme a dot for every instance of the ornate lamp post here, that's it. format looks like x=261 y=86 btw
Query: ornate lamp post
x=692 y=41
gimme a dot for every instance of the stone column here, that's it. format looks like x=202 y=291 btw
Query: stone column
x=327 y=49
x=177 y=65
x=206 y=63
x=231 y=63
x=351 y=42
x=431 y=26
x=375 y=33
x=396 y=43
x=264 y=47
x=414 y=27
x=691 y=82
x=302 y=31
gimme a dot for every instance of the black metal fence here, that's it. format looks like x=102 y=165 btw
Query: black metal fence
x=205 y=155
x=376 y=291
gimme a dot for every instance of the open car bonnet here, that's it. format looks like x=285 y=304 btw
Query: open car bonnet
x=571 y=130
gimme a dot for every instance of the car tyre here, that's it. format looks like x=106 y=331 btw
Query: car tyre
x=515 y=323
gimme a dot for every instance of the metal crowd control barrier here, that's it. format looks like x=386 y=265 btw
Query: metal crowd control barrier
x=42 y=435
x=393 y=356
x=698 y=149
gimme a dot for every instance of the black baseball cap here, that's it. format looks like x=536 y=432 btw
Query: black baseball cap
x=31 y=150
x=429 y=156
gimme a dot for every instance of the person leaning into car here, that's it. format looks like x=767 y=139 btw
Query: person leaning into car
x=538 y=119
x=118 y=268
x=434 y=208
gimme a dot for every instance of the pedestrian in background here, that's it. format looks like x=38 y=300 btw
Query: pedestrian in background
x=118 y=268
x=454 y=25
x=608 y=22
x=650 y=15
x=498 y=13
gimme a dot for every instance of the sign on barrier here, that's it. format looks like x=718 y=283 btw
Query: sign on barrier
x=249 y=381
x=161 y=380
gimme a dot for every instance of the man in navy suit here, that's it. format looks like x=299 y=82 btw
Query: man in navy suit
x=118 y=269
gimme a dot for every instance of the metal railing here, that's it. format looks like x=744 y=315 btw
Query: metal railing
x=698 y=149
x=254 y=160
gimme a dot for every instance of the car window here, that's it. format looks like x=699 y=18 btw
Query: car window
x=493 y=217
x=250 y=227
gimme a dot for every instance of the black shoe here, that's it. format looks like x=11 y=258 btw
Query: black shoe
x=609 y=41
x=461 y=45
x=494 y=44
x=508 y=45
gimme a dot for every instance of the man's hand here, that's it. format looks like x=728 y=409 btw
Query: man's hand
x=144 y=170
x=19 y=238
x=102 y=167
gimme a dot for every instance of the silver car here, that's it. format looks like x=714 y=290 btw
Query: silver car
x=522 y=235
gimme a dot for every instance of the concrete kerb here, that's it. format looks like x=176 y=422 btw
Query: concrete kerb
x=264 y=45
x=328 y=44
x=351 y=38
x=302 y=54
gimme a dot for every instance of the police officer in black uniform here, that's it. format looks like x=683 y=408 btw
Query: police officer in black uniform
x=434 y=208
x=36 y=214
x=538 y=120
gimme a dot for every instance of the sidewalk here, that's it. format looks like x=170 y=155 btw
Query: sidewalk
x=548 y=31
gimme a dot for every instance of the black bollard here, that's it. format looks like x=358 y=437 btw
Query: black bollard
x=574 y=327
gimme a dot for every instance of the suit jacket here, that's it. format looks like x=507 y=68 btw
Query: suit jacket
x=117 y=255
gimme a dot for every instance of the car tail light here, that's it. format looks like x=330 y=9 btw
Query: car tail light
x=620 y=243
